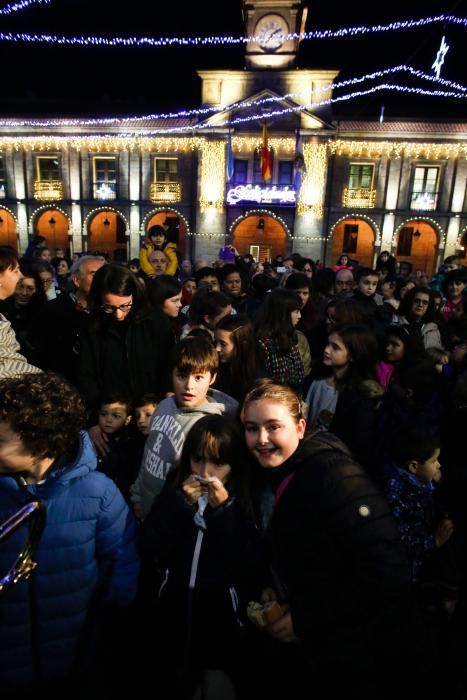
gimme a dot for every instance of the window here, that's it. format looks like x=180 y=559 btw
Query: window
x=105 y=177
x=286 y=172
x=48 y=168
x=361 y=176
x=165 y=169
x=425 y=188
x=350 y=238
x=240 y=176
x=404 y=242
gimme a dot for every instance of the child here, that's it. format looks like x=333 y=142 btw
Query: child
x=194 y=365
x=410 y=480
x=157 y=240
x=144 y=408
x=365 y=294
x=236 y=346
x=201 y=533
x=453 y=288
x=87 y=565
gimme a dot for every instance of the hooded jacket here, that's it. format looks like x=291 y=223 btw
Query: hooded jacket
x=170 y=425
x=338 y=552
x=86 y=561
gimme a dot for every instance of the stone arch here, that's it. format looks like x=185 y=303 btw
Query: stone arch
x=355 y=236
x=178 y=227
x=416 y=242
x=54 y=224
x=107 y=231
x=263 y=229
x=8 y=225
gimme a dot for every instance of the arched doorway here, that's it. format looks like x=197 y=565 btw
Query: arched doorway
x=462 y=252
x=416 y=244
x=107 y=236
x=175 y=227
x=53 y=225
x=261 y=235
x=7 y=229
x=355 y=238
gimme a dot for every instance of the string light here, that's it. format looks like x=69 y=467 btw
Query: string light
x=22 y=5
x=164 y=210
x=311 y=193
x=120 y=41
x=243 y=104
x=364 y=217
x=212 y=178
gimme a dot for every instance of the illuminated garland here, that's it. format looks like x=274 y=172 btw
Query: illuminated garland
x=164 y=210
x=311 y=193
x=212 y=181
x=243 y=104
x=21 y=5
x=345 y=32
x=428 y=219
x=364 y=217
x=376 y=149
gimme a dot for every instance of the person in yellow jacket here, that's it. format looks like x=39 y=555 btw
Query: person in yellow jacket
x=157 y=240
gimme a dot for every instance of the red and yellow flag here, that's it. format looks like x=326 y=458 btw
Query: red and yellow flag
x=266 y=166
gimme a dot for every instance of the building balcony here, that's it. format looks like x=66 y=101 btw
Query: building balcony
x=165 y=192
x=48 y=190
x=359 y=197
x=423 y=201
x=105 y=191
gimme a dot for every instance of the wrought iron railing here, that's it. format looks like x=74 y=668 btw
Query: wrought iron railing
x=48 y=190
x=359 y=197
x=105 y=190
x=165 y=192
x=420 y=200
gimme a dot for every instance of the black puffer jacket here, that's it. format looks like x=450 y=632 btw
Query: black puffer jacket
x=337 y=549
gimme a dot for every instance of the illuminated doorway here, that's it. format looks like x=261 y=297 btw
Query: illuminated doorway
x=175 y=228
x=54 y=226
x=355 y=238
x=416 y=245
x=7 y=229
x=263 y=231
x=107 y=236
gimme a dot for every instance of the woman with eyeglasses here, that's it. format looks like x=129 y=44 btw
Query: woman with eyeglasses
x=417 y=309
x=125 y=346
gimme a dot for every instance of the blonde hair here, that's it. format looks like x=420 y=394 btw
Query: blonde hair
x=266 y=390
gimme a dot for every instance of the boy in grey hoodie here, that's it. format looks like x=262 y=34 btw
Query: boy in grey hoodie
x=194 y=365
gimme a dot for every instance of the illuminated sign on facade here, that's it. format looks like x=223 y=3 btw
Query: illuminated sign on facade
x=275 y=194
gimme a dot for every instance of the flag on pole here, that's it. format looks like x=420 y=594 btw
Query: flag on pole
x=230 y=158
x=299 y=162
x=266 y=169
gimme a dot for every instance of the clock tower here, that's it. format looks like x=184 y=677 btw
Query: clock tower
x=270 y=21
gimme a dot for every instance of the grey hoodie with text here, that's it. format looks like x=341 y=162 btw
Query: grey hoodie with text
x=170 y=425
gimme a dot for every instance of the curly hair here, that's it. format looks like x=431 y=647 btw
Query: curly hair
x=45 y=411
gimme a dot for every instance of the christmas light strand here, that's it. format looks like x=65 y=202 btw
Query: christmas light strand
x=22 y=5
x=119 y=41
x=243 y=104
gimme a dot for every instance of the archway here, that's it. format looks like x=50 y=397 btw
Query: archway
x=53 y=225
x=7 y=229
x=260 y=234
x=107 y=236
x=355 y=238
x=416 y=243
x=175 y=227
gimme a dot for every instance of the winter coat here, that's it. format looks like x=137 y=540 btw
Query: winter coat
x=12 y=363
x=86 y=562
x=337 y=550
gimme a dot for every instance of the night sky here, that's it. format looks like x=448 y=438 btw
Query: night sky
x=58 y=80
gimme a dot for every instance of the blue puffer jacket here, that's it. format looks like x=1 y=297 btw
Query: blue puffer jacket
x=86 y=561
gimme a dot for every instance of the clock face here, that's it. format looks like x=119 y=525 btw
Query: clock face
x=271 y=31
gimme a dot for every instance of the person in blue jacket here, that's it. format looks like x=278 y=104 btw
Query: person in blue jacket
x=87 y=561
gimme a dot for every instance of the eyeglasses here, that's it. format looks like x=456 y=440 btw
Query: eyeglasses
x=111 y=309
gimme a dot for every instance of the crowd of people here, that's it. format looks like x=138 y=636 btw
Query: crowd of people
x=208 y=435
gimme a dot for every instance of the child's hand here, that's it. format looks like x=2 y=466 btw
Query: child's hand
x=282 y=629
x=217 y=494
x=192 y=489
x=99 y=440
x=443 y=532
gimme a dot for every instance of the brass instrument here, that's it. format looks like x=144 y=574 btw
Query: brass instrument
x=34 y=511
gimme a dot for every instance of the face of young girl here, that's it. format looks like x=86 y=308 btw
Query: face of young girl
x=224 y=345
x=295 y=317
x=395 y=349
x=271 y=432
x=171 y=307
x=429 y=470
x=207 y=468
x=335 y=354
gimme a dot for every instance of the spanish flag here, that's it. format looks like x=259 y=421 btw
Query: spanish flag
x=266 y=166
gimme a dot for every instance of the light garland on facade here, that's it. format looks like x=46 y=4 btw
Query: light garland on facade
x=422 y=218
x=101 y=144
x=158 y=210
x=97 y=210
x=9 y=211
x=40 y=210
x=132 y=41
x=376 y=149
x=212 y=180
x=21 y=5
x=375 y=227
x=311 y=195
x=259 y=212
